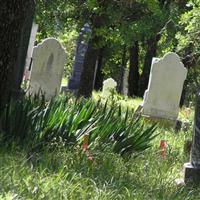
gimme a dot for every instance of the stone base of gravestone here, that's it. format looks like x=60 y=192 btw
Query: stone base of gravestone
x=191 y=174
x=164 y=123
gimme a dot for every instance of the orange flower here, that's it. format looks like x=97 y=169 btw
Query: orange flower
x=163 y=146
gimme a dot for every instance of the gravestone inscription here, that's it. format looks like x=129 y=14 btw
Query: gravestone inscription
x=162 y=98
x=49 y=58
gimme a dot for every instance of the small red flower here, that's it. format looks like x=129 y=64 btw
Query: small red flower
x=163 y=146
x=90 y=158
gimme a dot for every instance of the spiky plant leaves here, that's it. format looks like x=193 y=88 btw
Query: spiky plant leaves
x=34 y=121
x=138 y=140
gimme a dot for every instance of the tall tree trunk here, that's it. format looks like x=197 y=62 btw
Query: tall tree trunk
x=133 y=78
x=22 y=52
x=122 y=71
x=13 y=23
x=99 y=73
x=150 y=53
x=88 y=73
x=188 y=61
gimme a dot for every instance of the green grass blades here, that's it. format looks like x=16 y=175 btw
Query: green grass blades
x=33 y=121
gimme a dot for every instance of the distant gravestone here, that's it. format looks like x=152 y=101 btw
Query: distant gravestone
x=81 y=48
x=125 y=82
x=49 y=59
x=162 y=98
x=109 y=86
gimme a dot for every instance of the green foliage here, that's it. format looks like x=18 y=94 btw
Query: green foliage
x=190 y=28
x=68 y=40
x=66 y=173
x=39 y=123
x=122 y=23
x=17 y=119
x=188 y=47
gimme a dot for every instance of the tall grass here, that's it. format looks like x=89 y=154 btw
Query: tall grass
x=68 y=174
x=64 y=172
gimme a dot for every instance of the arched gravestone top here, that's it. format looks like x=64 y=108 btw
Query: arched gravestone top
x=162 y=97
x=49 y=58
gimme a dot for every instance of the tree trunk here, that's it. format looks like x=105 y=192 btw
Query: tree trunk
x=133 y=79
x=99 y=74
x=13 y=15
x=188 y=61
x=150 y=53
x=122 y=71
x=22 y=52
x=88 y=73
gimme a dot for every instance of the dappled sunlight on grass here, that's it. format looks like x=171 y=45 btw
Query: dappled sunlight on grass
x=124 y=101
x=68 y=174
x=58 y=171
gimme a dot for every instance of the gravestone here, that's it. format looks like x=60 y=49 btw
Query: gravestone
x=109 y=86
x=49 y=59
x=162 y=98
x=192 y=169
x=81 y=48
x=125 y=82
x=30 y=47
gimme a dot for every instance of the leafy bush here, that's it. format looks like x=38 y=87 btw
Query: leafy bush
x=36 y=122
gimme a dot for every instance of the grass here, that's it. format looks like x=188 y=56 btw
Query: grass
x=64 y=81
x=66 y=173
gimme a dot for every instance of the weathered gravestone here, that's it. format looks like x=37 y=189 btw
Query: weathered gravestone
x=81 y=49
x=162 y=98
x=30 y=47
x=49 y=59
x=192 y=169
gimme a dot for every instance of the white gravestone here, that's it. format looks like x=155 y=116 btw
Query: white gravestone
x=49 y=59
x=166 y=80
x=125 y=82
x=109 y=85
